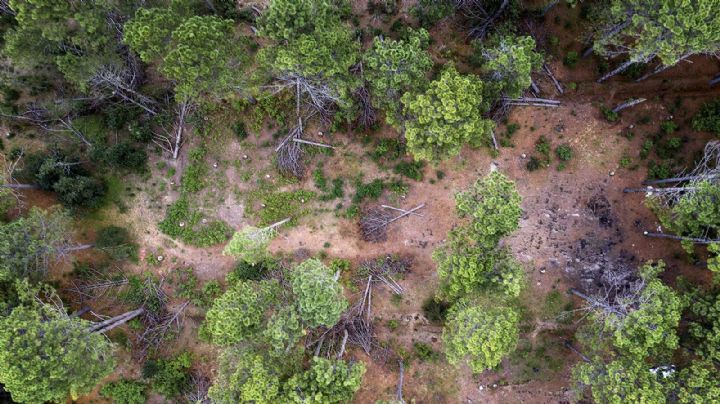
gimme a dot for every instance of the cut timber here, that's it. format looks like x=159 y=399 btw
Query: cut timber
x=681 y=179
x=344 y=343
x=19 y=186
x=115 y=321
x=628 y=104
x=715 y=80
x=658 y=190
x=398 y=393
x=554 y=80
x=401 y=210
x=494 y=139
x=695 y=240
x=298 y=140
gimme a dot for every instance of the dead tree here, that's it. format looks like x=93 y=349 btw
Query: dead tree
x=481 y=18
x=399 y=393
x=715 y=80
x=532 y=101
x=123 y=84
x=695 y=240
x=628 y=104
x=624 y=66
x=172 y=140
x=383 y=269
x=109 y=324
x=199 y=387
x=373 y=224
x=367 y=117
x=552 y=77
x=158 y=326
x=662 y=67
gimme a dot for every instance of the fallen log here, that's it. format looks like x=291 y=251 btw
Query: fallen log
x=658 y=190
x=628 y=104
x=715 y=80
x=554 y=80
x=695 y=240
x=680 y=179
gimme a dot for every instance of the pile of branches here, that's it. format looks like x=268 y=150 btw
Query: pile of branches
x=354 y=327
x=374 y=221
x=383 y=269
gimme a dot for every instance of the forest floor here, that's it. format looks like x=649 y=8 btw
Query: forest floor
x=575 y=220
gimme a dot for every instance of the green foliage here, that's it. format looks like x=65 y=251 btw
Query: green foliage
x=244 y=271
x=116 y=241
x=704 y=328
x=394 y=68
x=245 y=376
x=326 y=382
x=564 y=152
x=169 y=377
x=240 y=312
x=430 y=12
x=283 y=330
x=121 y=155
x=435 y=310
x=413 y=170
x=80 y=192
x=609 y=114
x=149 y=32
x=280 y=205
x=388 y=148
x=698 y=384
x=446 y=116
x=320 y=299
x=43 y=238
x=708 y=117
x=182 y=223
x=53 y=357
x=125 y=391
x=250 y=244
x=71 y=36
x=509 y=61
x=695 y=214
x=664 y=28
x=571 y=59
x=480 y=334
x=465 y=270
x=371 y=190
x=424 y=352
x=290 y=19
x=621 y=381
x=493 y=206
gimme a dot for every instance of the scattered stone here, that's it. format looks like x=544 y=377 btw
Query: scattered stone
x=612 y=173
x=160 y=258
x=267 y=175
x=245 y=156
x=320 y=133
x=523 y=155
x=181 y=224
x=262 y=205
x=215 y=165
x=204 y=220
x=542 y=271
x=539 y=283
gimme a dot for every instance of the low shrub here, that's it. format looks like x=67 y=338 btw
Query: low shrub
x=125 y=392
x=708 y=117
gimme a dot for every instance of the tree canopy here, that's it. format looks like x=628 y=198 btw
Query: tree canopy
x=395 y=67
x=442 y=119
x=46 y=355
x=320 y=298
x=481 y=334
x=508 y=61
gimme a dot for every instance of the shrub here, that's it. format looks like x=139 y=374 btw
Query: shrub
x=435 y=310
x=411 y=170
x=168 y=377
x=542 y=146
x=140 y=131
x=280 y=205
x=424 y=352
x=430 y=12
x=239 y=130
x=390 y=149
x=80 y=192
x=125 y=392
x=123 y=155
x=571 y=59
x=659 y=170
x=564 y=152
x=534 y=164
x=371 y=190
x=668 y=127
x=708 y=117
x=116 y=241
x=609 y=114
x=245 y=271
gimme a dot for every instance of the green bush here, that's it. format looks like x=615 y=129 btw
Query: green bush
x=571 y=59
x=280 y=205
x=122 y=155
x=116 y=241
x=125 y=392
x=245 y=271
x=410 y=169
x=390 y=149
x=668 y=127
x=659 y=170
x=609 y=114
x=430 y=12
x=424 y=352
x=564 y=152
x=80 y=192
x=169 y=377
x=435 y=310
x=708 y=117
x=534 y=164
x=239 y=130
x=371 y=190
x=140 y=131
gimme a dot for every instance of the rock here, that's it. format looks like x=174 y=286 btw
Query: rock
x=320 y=133
x=181 y=224
x=245 y=156
x=612 y=173
x=523 y=156
x=160 y=258
x=267 y=175
x=215 y=165
x=493 y=166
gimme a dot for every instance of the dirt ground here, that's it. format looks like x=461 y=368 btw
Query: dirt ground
x=574 y=221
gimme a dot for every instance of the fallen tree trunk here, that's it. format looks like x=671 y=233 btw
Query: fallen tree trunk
x=628 y=104
x=695 y=240
x=398 y=393
x=554 y=80
x=569 y=346
x=715 y=80
x=661 y=68
x=19 y=186
x=680 y=179
x=658 y=190
x=622 y=68
x=115 y=321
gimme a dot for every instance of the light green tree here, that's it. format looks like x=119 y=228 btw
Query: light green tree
x=250 y=243
x=285 y=20
x=240 y=312
x=509 y=61
x=326 y=382
x=467 y=270
x=493 y=207
x=668 y=30
x=621 y=381
x=704 y=323
x=318 y=294
x=394 y=67
x=439 y=121
x=246 y=376
x=149 y=32
x=46 y=355
x=480 y=334
x=698 y=383
x=283 y=330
